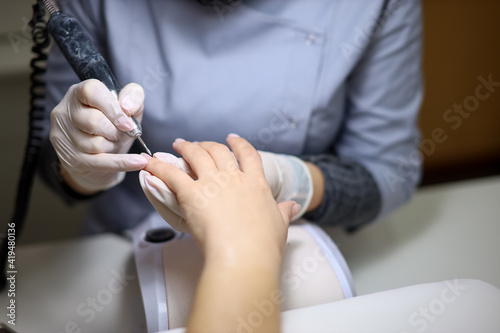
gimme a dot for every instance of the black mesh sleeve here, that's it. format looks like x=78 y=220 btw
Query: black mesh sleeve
x=352 y=198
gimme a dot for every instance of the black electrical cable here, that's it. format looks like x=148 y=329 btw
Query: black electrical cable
x=35 y=141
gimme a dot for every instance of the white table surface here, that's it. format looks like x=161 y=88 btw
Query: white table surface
x=446 y=232
x=54 y=279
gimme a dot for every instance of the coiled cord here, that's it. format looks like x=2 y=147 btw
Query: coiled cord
x=51 y=6
x=35 y=141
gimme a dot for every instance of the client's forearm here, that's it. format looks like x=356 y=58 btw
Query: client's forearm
x=230 y=292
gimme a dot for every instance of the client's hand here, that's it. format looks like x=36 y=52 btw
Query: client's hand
x=233 y=216
x=227 y=206
x=288 y=177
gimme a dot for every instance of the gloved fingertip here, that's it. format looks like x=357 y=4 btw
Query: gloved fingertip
x=131 y=103
x=138 y=161
x=146 y=156
x=157 y=183
x=184 y=166
x=143 y=174
x=157 y=188
x=124 y=123
x=151 y=186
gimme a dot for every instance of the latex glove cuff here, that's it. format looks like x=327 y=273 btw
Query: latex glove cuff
x=289 y=178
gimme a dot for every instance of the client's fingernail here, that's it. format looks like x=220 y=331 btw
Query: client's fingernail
x=296 y=209
x=233 y=135
x=179 y=140
x=166 y=157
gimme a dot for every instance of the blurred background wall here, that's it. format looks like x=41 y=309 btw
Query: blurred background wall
x=461 y=49
x=461 y=43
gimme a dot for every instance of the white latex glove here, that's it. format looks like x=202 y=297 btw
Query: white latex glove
x=160 y=195
x=288 y=177
x=88 y=133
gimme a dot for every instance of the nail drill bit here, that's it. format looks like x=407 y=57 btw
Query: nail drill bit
x=144 y=145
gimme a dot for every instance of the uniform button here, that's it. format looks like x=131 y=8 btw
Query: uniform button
x=310 y=39
x=159 y=235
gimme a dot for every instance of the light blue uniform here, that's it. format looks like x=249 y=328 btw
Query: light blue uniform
x=292 y=76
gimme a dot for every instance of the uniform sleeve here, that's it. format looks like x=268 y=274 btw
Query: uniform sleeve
x=351 y=197
x=376 y=165
x=59 y=78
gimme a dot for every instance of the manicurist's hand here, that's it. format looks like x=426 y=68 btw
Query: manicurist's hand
x=87 y=133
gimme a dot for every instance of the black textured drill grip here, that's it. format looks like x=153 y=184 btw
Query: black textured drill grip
x=79 y=50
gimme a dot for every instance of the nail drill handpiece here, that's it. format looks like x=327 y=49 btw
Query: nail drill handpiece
x=83 y=56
